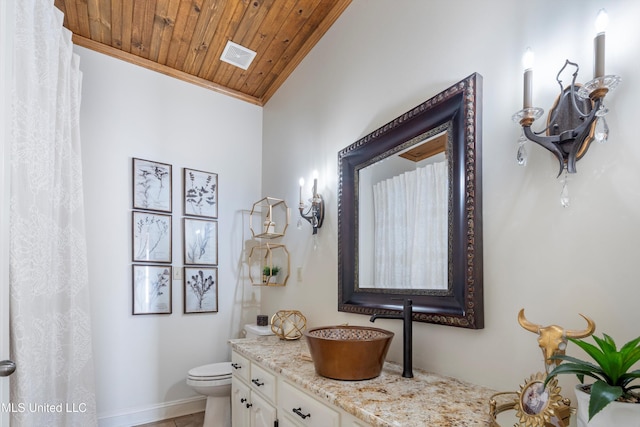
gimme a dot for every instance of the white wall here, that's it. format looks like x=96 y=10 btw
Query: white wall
x=127 y=111
x=382 y=58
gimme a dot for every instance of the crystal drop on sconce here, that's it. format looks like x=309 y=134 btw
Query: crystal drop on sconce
x=522 y=155
x=601 y=132
x=564 y=192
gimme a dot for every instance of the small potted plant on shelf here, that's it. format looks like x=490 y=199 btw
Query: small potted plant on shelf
x=269 y=273
x=612 y=395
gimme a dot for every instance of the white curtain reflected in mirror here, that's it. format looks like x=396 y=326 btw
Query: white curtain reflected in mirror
x=411 y=218
x=404 y=219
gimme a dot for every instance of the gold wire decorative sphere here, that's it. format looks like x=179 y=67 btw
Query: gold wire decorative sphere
x=288 y=324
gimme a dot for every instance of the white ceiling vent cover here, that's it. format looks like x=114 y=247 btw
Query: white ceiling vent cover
x=237 y=55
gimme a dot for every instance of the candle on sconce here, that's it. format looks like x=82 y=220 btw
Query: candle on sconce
x=602 y=20
x=527 y=63
x=315 y=184
x=301 y=182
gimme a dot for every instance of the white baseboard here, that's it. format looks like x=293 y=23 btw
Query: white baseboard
x=148 y=414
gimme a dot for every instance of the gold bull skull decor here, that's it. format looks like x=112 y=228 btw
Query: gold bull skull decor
x=553 y=339
x=536 y=405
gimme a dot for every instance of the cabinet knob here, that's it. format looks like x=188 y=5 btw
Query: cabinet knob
x=236 y=366
x=257 y=382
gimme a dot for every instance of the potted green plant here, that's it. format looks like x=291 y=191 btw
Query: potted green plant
x=269 y=273
x=612 y=388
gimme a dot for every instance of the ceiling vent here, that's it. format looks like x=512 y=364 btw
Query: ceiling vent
x=237 y=55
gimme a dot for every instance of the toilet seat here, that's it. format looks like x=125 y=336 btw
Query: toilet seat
x=214 y=372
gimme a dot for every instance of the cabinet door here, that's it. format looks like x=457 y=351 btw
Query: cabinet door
x=263 y=414
x=240 y=403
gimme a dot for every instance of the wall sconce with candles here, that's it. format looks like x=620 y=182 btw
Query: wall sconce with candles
x=315 y=211
x=577 y=117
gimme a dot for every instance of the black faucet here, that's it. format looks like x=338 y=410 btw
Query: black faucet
x=407 y=333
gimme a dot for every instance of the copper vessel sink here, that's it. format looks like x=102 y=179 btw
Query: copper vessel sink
x=348 y=352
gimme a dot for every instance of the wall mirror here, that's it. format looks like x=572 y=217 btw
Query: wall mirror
x=410 y=213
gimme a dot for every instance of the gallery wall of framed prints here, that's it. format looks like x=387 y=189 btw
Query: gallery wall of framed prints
x=152 y=239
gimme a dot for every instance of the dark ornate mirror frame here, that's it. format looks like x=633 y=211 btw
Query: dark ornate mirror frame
x=462 y=305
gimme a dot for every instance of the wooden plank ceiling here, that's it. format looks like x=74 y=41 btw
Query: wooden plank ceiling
x=185 y=38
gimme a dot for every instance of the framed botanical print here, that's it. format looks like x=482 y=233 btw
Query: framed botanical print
x=151 y=237
x=151 y=289
x=200 y=193
x=151 y=185
x=200 y=290
x=200 y=242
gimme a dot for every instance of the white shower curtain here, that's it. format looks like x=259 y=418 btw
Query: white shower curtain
x=50 y=319
x=411 y=227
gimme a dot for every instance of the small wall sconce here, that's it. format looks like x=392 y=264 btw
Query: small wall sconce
x=315 y=211
x=577 y=117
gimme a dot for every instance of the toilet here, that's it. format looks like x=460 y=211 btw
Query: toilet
x=214 y=381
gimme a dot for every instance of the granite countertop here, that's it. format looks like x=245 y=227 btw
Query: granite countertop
x=389 y=400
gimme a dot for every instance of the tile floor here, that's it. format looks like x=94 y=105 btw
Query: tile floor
x=193 y=420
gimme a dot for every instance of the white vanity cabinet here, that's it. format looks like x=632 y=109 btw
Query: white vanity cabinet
x=252 y=394
x=259 y=398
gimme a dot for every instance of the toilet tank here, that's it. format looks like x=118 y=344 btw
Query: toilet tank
x=252 y=330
